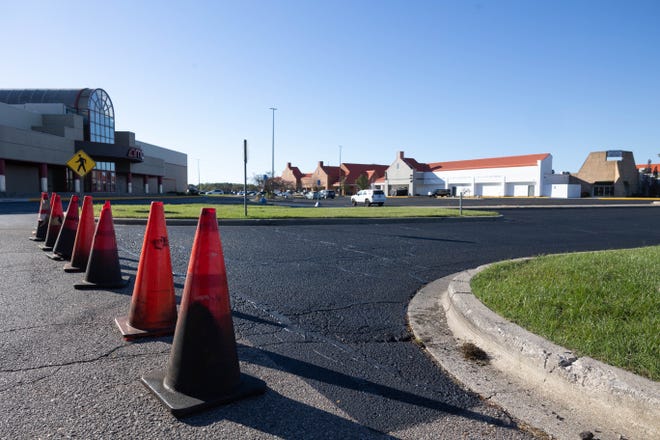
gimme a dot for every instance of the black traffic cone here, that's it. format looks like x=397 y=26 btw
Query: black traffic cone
x=54 y=223
x=103 y=270
x=42 y=219
x=64 y=243
x=203 y=368
x=82 y=246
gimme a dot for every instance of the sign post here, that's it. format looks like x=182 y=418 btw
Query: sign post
x=245 y=157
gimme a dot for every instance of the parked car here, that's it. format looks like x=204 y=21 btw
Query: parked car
x=440 y=193
x=215 y=192
x=326 y=194
x=192 y=190
x=311 y=195
x=368 y=197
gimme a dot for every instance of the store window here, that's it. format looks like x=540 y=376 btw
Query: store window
x=69 y=182
x=103 y=178
x=603 y=189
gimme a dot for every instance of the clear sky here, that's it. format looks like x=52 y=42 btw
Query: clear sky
x=440 y=80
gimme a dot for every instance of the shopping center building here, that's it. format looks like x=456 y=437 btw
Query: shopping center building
x=41 y=130
x=528 y=175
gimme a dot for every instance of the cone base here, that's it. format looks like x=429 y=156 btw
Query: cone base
x=56 y=257
x=181 y=405
x=69 y=268
x=86 y=285
x=129 y=332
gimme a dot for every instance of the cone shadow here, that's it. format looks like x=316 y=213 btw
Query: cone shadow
x=316 y=373
x=286 y=418
x=114 y=285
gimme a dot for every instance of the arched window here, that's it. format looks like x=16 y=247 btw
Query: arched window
x=101 y=115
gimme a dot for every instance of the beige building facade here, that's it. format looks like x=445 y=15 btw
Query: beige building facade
x=611 y=173
x=43 y=129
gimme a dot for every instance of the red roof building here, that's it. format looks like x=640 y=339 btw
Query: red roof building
x=323 y=177
x=293 y=175
x=652 y=168
x=352 y=171
x=497 y=176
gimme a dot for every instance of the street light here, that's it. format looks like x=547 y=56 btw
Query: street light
x=272 y=165
x=339 y=186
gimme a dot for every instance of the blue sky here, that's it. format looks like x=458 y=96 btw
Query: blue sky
x=440 y=80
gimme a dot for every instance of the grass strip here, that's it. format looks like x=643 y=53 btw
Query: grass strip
x=605 y=305
x=236 y=211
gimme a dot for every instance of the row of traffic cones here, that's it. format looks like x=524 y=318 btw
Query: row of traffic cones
x=203 y=367
x=90 y=248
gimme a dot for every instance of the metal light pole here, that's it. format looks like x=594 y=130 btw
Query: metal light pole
x=339 y=186
x=272 y=165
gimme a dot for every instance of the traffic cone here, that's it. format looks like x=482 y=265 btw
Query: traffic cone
x=42 y=219
x=153 y=305
x=103 y=271
x=54 y=223
x=64 y=243
x=203 y=368
x=82 y=246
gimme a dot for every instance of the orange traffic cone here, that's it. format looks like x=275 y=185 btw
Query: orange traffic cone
x=203 y=368
x=82 y=246
x=42 y=219
x=54 y=223
x=64 y=243
x=153 y=305
x=103 y=270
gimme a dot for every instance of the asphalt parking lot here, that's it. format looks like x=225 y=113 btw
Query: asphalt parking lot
x=319 y=313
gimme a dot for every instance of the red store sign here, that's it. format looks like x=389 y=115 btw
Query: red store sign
x=135 y=154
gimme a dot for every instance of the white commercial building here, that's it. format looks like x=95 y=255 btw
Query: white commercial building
x=512 y=176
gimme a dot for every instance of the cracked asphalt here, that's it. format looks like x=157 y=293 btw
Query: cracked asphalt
x=319 y=314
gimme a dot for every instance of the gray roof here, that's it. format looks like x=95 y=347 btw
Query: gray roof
x=68 y=97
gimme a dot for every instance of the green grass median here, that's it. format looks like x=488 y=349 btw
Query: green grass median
x=236 y=211
x=605 y=305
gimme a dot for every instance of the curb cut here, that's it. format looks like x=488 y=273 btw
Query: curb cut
x=538 y=382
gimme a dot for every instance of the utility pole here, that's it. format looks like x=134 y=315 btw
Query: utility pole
x=339 y=183
x=272 y=165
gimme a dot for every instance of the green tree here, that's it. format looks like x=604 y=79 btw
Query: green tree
x=362 y=181
x=272 y=185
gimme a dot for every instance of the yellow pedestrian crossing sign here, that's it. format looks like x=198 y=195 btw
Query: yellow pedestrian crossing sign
x=81 y=163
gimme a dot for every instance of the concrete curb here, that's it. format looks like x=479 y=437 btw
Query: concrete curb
x=312 y=221
x=542 y=384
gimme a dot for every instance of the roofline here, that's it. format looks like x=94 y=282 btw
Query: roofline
x=483 y=163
